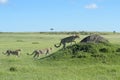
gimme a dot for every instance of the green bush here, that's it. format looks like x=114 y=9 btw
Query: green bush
x=118 y=50
x=35 y=42
x=105 y=50
x=19 y=41
x=12 y=69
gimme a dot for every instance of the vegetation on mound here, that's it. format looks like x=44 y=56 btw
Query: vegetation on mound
x=104 y=52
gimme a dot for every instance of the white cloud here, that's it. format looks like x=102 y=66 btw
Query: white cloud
x=91 y=6
x=3 y=1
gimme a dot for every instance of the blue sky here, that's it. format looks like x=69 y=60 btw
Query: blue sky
x=62 y=15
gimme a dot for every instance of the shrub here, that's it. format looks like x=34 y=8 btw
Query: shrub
x=13 y=69
x=85 y=47
x=118 y=50
x=20 y=41
x=35 y=42
x=105 y=50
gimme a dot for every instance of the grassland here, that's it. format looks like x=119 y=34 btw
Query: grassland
x=27 y=68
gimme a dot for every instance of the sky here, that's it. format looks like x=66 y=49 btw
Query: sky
x=61 y=15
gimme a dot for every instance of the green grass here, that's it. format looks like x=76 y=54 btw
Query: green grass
x=66 y=68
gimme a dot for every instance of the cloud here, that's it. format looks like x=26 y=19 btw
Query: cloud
x=91 y=6
x=3 y=1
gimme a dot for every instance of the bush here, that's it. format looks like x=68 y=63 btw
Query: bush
x=85 y=47
x=13 y=69
x=105 y=50
x=35 y=42
x=118 y=50
x=20 y=41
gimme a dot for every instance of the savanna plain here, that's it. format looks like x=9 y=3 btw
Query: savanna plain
x=26 y=67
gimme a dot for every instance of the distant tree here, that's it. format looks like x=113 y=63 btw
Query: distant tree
x=51 y=29
x=114 y=32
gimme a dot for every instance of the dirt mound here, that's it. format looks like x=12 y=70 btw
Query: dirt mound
x=94 y=38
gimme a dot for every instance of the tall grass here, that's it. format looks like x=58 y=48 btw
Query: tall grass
x=62 y=68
